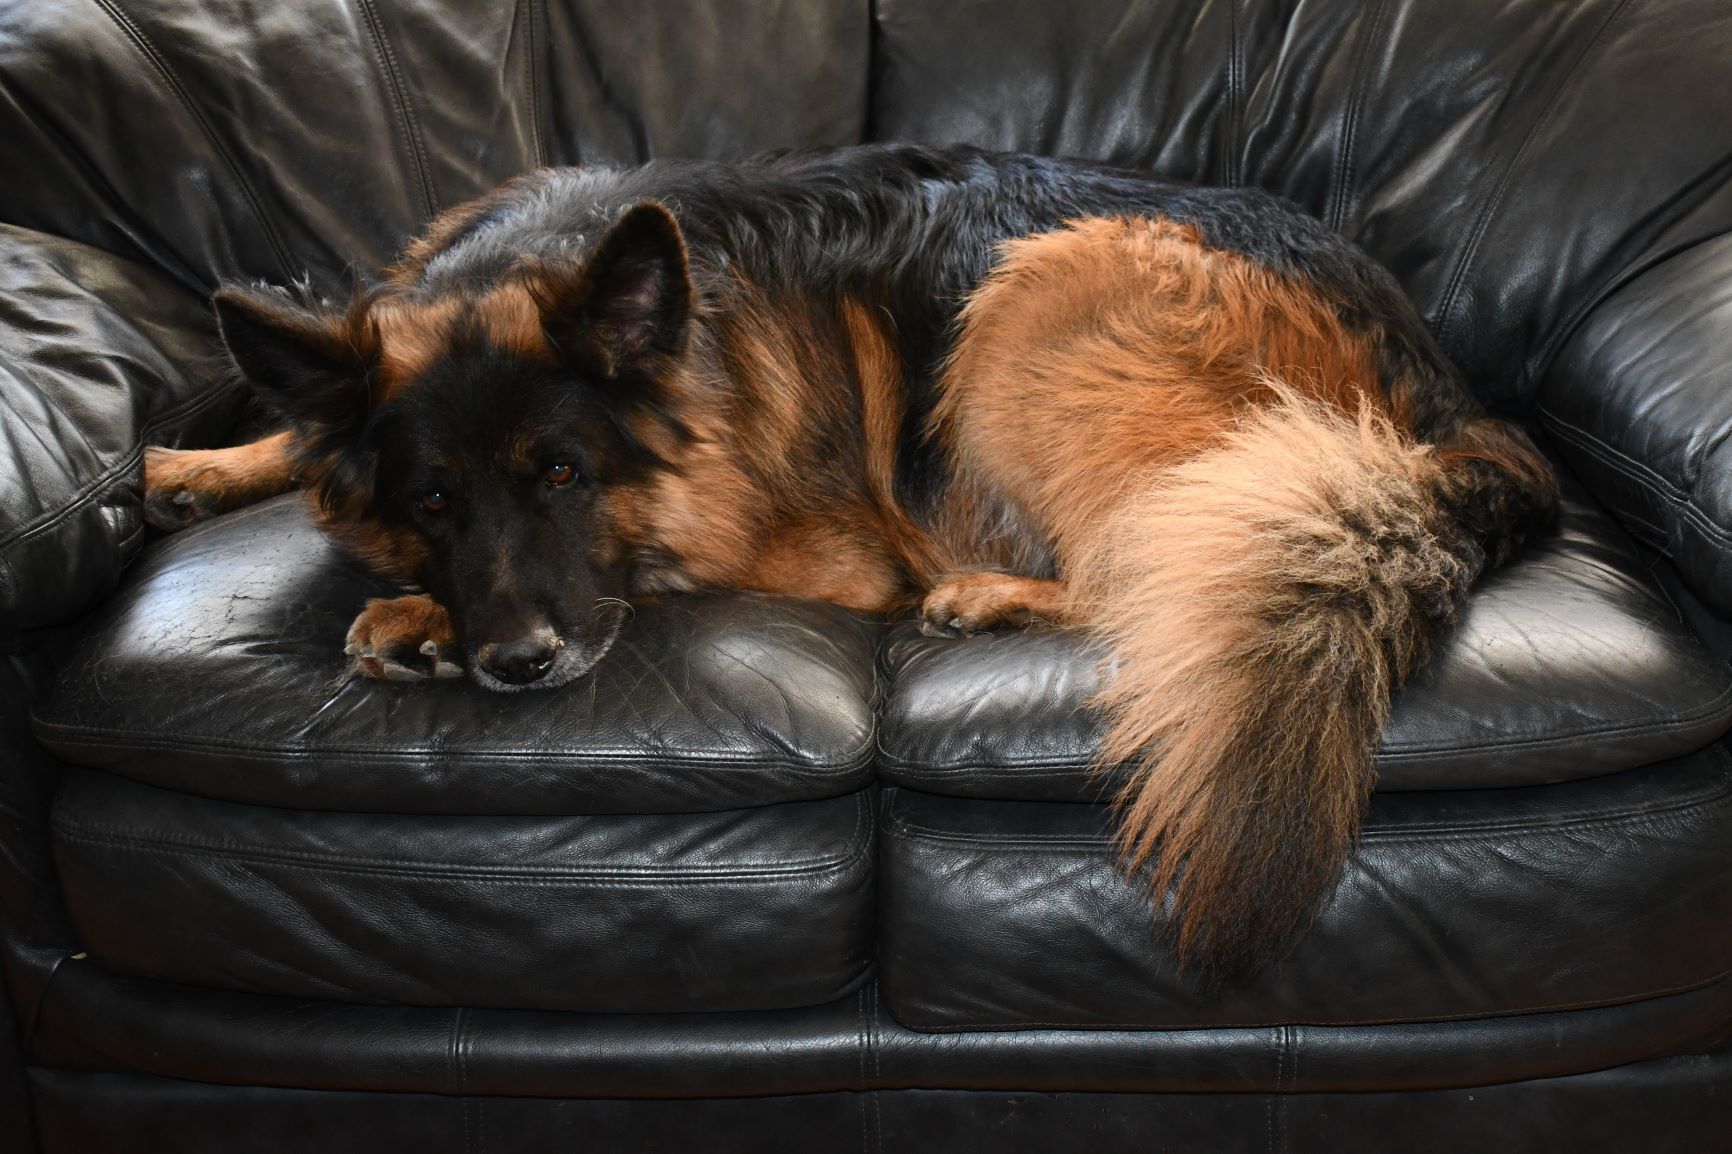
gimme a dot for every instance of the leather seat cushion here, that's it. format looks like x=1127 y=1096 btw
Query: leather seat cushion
x=218 y=671
x=760 y=908
x=1568 y=663
x=1458 y=904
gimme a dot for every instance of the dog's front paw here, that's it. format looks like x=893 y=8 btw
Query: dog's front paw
x=180 y=488
x=403 y=639
x=185 y=486
x=968 y=603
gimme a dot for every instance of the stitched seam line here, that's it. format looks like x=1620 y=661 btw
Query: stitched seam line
x=1446 y=325
x=1234 y=82
x=1540 y=363
x=1706 y=802
x=401 y=105
x=229 y=849
x=430 y=872
x=1561 y=1007
x=1659 y=486
x=1350 y=118
x=104 y=482
x=537 y=141
x=1716 y=708
x=159 y=64
x=69 y=737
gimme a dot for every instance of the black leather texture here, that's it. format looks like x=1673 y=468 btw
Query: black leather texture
x=669 y=908
x=219 y=671
x=1640 y=403
x=1509 y=162
x=97 y=356
x=734 y=910
x=1570 y=663
x=96 y=1020
x=1011 y=915
x=1669 y=1106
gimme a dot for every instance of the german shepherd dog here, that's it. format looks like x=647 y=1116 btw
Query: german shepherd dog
x=988 y=389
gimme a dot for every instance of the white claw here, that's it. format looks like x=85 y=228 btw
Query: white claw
x=352 y=649
x=184 y=497
x=429 y=648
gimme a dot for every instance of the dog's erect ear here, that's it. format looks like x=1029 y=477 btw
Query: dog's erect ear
x=311 y=367
x=629 y=304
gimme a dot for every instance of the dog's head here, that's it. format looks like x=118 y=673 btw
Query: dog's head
x=482 y=442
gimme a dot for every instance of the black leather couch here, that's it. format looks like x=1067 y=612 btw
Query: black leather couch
x=776 y=877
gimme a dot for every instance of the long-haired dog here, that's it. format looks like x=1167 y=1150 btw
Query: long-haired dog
x=989 y=389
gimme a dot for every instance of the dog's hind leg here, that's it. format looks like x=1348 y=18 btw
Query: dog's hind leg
x=185 y=486
x=963 y=603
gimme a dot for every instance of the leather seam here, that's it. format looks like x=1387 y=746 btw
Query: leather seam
x=1715 y=708
x=232 y=851
x=1445 y=325
x=1680 y=499
x=1489 y=1015
x=432 y=874
x=105 y=482
x=538 y=141
x=900 y=827
x=1357 y=94
x=400 y=104
x=70 y=736
x=170 y=79
x=1235 y=83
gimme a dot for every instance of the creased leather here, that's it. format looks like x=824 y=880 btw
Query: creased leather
x=1665 y=1107
x=1456 y=904
x=1640 y=403
x=1538 y=176
x=1570 y=663
x=97 y=355
x=1505 y=161
x=219 y=671
x=735 y=910
x=96 y=1020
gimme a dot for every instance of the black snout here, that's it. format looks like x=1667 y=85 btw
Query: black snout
x=519 y=662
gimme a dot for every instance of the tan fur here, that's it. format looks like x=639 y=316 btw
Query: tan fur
x=979 y=601
x=184 y=485
x=1241 y=526
x=1189 y=456
x=401 y=638
x=1258 y=604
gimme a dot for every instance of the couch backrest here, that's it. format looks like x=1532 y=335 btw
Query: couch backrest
x=1512 y=160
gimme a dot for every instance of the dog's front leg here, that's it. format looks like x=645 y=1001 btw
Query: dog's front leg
x=404 y=639
x=185 y=486
x=962 y=603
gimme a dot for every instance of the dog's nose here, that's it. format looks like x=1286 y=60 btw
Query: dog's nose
x=519 y=662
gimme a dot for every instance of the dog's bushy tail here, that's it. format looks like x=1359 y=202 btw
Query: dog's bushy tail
x=1259 y=603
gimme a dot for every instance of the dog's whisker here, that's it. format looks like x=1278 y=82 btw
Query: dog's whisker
x=606 y=602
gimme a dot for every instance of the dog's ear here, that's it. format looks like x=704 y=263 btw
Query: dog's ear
x=314 y=368
x=627 y=307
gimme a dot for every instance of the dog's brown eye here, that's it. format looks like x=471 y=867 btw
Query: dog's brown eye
x=560 y=475
x=434 y=502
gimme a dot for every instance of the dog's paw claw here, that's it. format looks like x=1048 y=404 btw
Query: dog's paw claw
x=184 y=497
x=403 y=639
x=937 y=627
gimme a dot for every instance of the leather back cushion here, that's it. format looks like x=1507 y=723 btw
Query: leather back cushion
x=1511 y=162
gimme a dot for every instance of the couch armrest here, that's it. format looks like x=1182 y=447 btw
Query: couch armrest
x=98 y=356
x=1639 y=403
